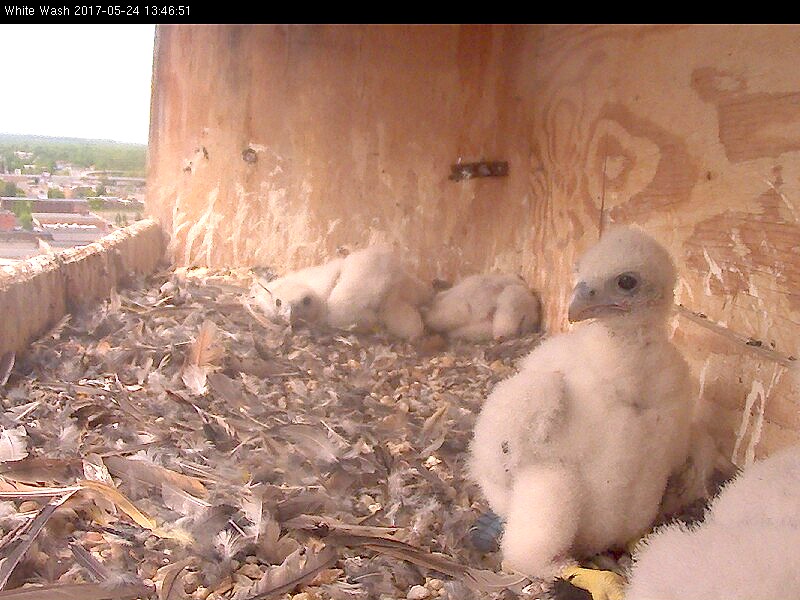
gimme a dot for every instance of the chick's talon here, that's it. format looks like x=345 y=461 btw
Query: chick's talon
x=602 y=585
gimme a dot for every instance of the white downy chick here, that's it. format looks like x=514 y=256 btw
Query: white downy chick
x=399 y=312
x=368 y=288
x=300 y=296
x=700 y=477
x=575 y=450
x=484 y=306
x=517 y=312
x=748 y=547
x=366 y=278
x=375 y=289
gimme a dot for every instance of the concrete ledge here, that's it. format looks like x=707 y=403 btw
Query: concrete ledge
x=36 y=293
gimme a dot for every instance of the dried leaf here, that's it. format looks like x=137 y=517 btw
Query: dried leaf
x=171 y=574
x=194 y=378
x=435 y=419
x=26 y=537
x=226 y=388
x=299 y=567
x=114 y=301
x=95 y=568
x=13 y=444
x=206 y=349
x=183 y=502
x=34 y=470
x=137 y=472
x=329 y=524
x=6 y=366
x=254 y=511
x=95 y=470
x=306 y=502
x=381 y=540
x=125 y=505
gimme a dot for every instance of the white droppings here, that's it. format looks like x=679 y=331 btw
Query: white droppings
x=739 y=247
x=206 y=225
x=702 y=379
x=757 y=394
x=683 y=286
x=785 y=200
x=714 y=270
x=752 y=290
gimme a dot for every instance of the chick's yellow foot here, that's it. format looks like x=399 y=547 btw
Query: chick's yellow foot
x=602 y=585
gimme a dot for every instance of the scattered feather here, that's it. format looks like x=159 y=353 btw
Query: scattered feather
x=168 y=589
x=13 y=550
x=77 y=591
x=314 y=441
x=206 y=349
x=219 y=433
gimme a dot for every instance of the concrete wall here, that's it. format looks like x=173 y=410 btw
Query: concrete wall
x=693 y=132
x=36 y=293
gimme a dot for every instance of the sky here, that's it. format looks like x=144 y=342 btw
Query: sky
x=85 y=81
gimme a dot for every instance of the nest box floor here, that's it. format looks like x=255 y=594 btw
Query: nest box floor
x=169 y=437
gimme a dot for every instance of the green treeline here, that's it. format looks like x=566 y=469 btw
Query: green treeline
x=103 y=155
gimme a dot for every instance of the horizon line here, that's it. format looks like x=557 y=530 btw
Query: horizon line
x=70 y=137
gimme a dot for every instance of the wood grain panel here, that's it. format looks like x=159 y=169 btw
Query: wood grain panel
x=691 y=132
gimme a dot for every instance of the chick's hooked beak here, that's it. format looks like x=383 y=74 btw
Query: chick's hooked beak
x=588 y=302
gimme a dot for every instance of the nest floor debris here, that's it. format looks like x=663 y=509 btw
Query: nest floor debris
x=167 y=444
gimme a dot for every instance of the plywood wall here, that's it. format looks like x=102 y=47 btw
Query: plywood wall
x=691 y=132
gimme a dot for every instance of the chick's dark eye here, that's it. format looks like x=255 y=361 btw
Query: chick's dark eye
x=627 y=282
x=306 y=300
x=278 y=302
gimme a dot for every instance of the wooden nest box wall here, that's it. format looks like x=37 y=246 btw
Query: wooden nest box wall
x=275 y=145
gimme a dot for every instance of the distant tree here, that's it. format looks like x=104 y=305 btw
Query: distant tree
x=8 y=188
x=101 y=187
x=118 y=220
x=23 y=211
x=82 y=191
x=55 y=193
x=95 y=203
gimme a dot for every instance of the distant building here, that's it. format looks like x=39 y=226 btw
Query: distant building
x=18 y=245
x=58 y=220
x=71 y=229
x=7 y=220
x=52 y=205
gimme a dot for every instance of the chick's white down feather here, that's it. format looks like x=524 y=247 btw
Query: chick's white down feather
x=485 y=306
x=575 y=450
x=300 y=295
x=369 y=288
x=747 y=548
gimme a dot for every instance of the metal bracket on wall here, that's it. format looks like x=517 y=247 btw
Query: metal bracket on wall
x=485 y=168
